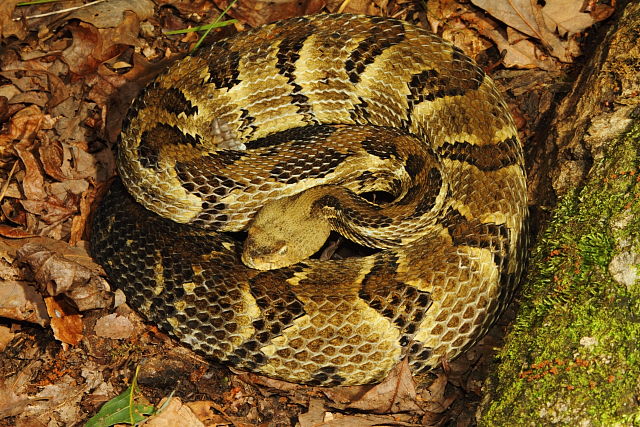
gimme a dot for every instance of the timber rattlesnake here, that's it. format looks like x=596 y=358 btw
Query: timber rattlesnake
x=303 y=116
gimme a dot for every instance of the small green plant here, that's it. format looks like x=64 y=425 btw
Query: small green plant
x=208 y=27
x=126 y=408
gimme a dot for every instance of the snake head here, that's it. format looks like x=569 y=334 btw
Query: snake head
x=284 y=232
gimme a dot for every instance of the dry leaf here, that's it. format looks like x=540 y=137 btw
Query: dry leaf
x=9 y=27
x=23 y=126
x=526 y=17
x=262 y=380
x=114 y=327
x=314 y=415
x=54 y=272
x=59 y=275
x=10 y=403
x=204 y=410
x=65 y=323
x=13 y=232
x=256 y=12
x=111 y=13
x=5 y=337
x=174 y=414
x=20 y=301
x=397 y=393
x=522 y=54
x=79 y=221
x=86 y=52
x=51 y=211
x=566 y=16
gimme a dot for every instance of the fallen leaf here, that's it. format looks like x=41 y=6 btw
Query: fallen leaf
x=397 y=393
x=9 y=27
x=5 y=337
x=173 y=414
x=526 y=17
x=251 y=378
x=20 y=301
x=86 y=52
x=65 y=323
x=204 y=410
x=54 y=272
x=13 y=232
x=365 y=420
x=257 y=12
x=434 y=398
x=314 y=415
x=114 y=327
x=79 y=222
x=11 y=404
x=111 y=13
x=566 y=16
x=23 y=126
x=59 y=275
x=522 y=54
x=51 y=211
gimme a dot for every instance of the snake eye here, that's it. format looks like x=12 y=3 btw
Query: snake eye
x=283 y=250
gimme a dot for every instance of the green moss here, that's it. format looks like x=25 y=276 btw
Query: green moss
x=574 y=352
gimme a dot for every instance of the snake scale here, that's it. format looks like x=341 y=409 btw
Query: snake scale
x=296 y=129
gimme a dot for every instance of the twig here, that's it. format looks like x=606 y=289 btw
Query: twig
x=6 y=183
x=56 y=12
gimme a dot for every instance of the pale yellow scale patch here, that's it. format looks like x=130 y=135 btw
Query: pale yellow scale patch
x=501 y=134
x=161 y=191
x=189 y=287
x=158 y=274
x=387 y=338
x=250 y=312
x=324 y=81
x=297 y=277
x=264 y=94
x=158 y=191
x=190 y=68
x=485 y=281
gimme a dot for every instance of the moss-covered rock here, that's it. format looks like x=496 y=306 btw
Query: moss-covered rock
x=573 y=356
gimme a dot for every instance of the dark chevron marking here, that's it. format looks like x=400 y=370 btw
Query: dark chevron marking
x=414 y=165
x=174 y=101
x=382 y=292
x=223 y=74
x=346 y=215
x=227 y=157
x=360 y=112
x=288 y=54
x=429 y=85
x=161 y=135
x=474 y=233
x=246 y=122
x=278 y=305
x=379 y=148
x=471 y=74
x=326 y=376
x=429 y=200
x=317 y=165
x=370 y=48
x=300 y=135
x=487 y=158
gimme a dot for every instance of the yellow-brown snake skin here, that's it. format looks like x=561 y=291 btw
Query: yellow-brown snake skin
x=302 y=117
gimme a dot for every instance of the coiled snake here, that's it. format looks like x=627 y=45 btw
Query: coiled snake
x=289 y=131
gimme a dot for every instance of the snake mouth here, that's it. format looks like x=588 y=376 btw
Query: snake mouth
x=379 y=197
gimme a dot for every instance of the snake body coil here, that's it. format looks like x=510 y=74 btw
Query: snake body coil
x=302 y=117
